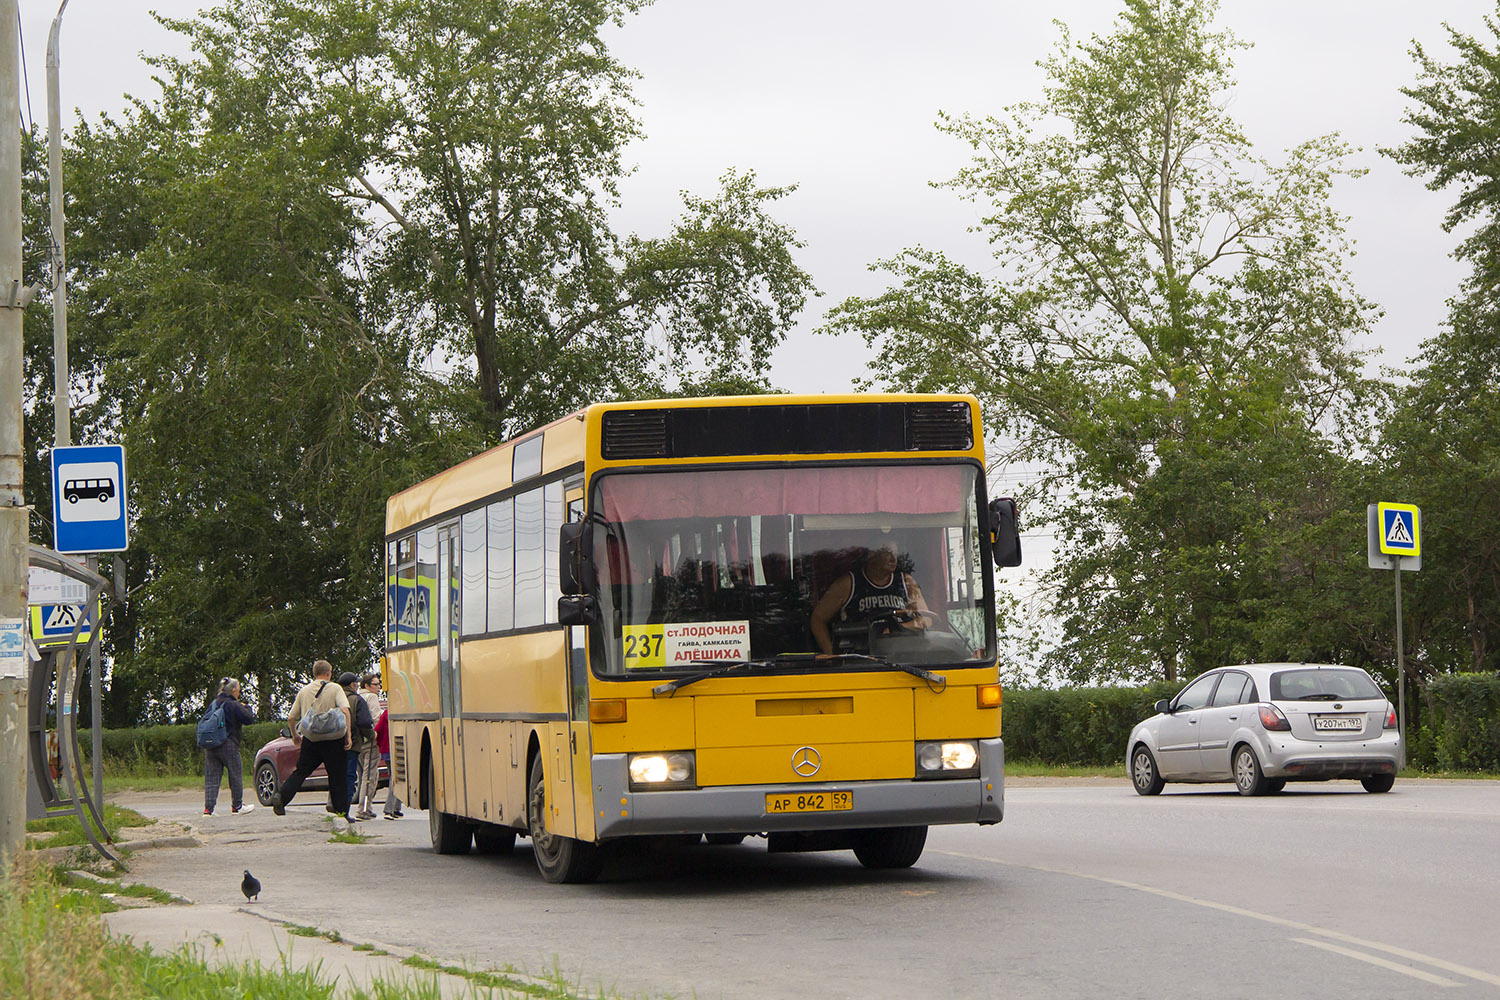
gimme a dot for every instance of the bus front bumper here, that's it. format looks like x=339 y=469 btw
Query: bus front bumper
x=742 y=808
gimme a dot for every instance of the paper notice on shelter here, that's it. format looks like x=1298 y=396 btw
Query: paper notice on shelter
x=12 y=647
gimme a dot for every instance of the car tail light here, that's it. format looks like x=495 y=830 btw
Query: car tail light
x=1272 y=720
x=1390 y=716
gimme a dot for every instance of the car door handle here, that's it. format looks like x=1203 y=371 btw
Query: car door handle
x=1233 y=717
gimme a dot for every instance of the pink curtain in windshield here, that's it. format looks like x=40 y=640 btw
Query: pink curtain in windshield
x=934 y=489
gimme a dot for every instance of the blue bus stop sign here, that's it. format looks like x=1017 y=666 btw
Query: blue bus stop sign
x=88 y=498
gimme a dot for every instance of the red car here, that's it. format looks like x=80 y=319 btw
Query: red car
x=276 y=761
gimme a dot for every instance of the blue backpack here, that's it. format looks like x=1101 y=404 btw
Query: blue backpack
x=212 y=732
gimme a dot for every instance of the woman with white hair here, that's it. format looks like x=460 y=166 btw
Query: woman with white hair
x=226 y=756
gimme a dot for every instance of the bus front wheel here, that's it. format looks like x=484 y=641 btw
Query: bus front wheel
x=891 y=847
x=449 y=834
x=558 y=858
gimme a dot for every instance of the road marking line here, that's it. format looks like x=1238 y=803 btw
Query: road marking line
x=1360 y=956
x=1296 y=925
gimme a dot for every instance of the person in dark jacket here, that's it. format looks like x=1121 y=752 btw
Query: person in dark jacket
x=226 y=756
x=363 y=730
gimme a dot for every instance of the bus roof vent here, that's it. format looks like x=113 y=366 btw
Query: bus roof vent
x=939 y=427
x=635 y=434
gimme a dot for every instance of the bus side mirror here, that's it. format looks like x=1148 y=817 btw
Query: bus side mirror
x=1005 y=532
x=575 y=565
x=577 y=609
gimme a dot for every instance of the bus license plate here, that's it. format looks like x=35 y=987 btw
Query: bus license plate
x=802 y=802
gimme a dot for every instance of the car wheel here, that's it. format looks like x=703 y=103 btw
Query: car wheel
x=893 y=847
x=1378 y=782
x=267 y=782
x=558 y=858
x=1143 y=773
x=449 y=834
x=1275 y=784
x=1248 y=777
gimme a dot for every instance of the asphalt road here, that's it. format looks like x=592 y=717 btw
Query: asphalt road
x=1083 y=891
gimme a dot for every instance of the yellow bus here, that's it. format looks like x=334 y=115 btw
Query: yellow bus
x=766 y=616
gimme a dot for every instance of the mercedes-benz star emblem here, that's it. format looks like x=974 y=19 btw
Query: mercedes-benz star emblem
x=806 y=761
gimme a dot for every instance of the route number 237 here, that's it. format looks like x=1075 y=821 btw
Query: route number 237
x=643 y=649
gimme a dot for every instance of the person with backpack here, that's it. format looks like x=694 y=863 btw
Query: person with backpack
x=219 y=733
x=320 y=723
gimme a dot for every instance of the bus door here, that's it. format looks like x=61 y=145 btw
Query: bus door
x=580 y=746
x=450 y=689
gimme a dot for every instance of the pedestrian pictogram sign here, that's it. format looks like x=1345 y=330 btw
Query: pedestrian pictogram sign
x=53 y=624
x=1400 y=527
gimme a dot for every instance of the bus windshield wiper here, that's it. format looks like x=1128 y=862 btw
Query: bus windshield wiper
x=910 y=668
x=720 y=669
x=723 y=669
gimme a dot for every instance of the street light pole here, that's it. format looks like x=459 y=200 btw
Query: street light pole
x=14 y=514
x=62 y=421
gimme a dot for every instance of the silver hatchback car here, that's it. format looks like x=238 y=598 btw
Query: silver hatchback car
x=1261 y=725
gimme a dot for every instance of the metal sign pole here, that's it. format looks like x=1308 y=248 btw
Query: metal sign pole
x=1400 y=664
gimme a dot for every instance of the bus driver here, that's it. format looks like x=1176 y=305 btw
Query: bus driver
x=871 y=590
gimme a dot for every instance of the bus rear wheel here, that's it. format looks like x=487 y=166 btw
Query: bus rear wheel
x=558 y=858
x=449 y=834
x=891 y=847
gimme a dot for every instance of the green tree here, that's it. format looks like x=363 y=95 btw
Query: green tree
x=348 y=245
x=487 y=136
x=1443 y=445
x=266 y=403
x=1167 y=328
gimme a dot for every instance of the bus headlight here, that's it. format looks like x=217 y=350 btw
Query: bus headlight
x=662 y=770
x=953 y=759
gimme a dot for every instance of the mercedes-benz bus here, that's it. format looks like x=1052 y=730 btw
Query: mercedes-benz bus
x=607 y=628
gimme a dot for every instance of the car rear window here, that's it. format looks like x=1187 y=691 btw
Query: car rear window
x=1322 y=685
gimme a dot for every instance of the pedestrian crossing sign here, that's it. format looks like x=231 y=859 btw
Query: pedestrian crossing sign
x=53 y=624
x=1400 y=526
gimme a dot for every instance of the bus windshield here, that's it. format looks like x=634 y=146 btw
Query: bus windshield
x=712 y=566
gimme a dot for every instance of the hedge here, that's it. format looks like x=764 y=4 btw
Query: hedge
x=171 y=749
x=1077 y=726
x=1085 y=726
x=1461 y=725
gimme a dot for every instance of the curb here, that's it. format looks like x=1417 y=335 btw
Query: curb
x=400 y=954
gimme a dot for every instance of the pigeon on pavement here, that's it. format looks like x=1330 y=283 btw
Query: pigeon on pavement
x=250 y=886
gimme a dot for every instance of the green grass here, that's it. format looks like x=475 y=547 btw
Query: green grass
x=56 y=946
x=349 y=837
x=67 y=832
x=154 y=782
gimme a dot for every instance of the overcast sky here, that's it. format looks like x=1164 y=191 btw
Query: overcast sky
x=840 y=99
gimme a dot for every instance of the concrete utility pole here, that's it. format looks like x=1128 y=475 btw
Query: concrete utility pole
x=14 y=516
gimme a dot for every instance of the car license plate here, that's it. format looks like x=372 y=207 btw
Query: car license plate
x=802 y=802
x=1324 y=723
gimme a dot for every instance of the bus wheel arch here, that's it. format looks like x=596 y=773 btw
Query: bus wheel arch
x=424 y=793
x=558 y=858
x=449 y=833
